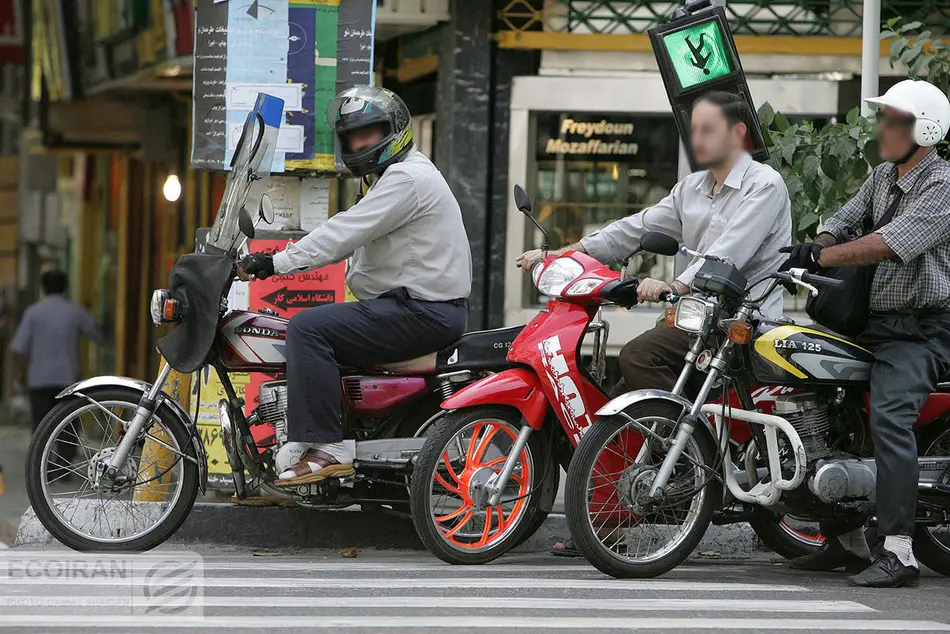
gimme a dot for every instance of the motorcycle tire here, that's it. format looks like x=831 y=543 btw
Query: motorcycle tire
x=781 y=538
x=159 y=533
x=425 y=471
x=929 y=550
x=585 y=460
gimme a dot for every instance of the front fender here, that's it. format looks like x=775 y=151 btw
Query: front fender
x=517 y=387
x=78 y=389
x=624 y=401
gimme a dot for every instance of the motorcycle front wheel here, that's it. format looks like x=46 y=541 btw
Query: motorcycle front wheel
x=83 y=510
x=449 y=509
x=615 y=524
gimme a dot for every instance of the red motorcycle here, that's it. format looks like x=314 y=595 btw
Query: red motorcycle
x=138 y=463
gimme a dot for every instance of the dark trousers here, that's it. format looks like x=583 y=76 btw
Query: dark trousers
x=655 y=360
x=356 y=334
x=42 y=400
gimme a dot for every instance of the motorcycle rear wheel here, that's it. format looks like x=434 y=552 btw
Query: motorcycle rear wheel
x=931 y=549
x=465 y=447
x=781 y=536
x=591 y=475
x=48 y=472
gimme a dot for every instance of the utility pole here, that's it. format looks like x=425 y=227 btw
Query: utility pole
x=870 y=52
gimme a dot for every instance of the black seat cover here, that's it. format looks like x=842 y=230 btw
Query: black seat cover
x=479 y=350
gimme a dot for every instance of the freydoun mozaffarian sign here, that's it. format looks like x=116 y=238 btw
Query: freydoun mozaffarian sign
x=586 y=136
x=696 y=54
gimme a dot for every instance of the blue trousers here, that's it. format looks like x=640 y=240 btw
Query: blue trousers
x=360 y=335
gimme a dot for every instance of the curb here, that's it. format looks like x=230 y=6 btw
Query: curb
x=271 y=527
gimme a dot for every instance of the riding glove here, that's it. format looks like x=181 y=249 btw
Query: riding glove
x=260 y=265
x=802 y=256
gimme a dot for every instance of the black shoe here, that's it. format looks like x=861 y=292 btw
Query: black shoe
x=886 y=571
x=831 y=556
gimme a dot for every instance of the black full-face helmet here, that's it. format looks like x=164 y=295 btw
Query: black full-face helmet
x=365 y=106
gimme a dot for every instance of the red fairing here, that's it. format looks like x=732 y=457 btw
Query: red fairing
x=516 y=388
x=252 y=342
x=549 y=346
x=593 y=270
x=936 y=405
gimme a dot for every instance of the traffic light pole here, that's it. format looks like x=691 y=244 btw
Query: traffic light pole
x=870 y=52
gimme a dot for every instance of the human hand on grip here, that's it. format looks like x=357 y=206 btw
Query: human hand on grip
x=529 y=259
x=256 y=266
x=650 y=290
x=802 y=256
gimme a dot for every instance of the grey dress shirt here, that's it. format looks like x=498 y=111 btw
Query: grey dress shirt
x=919 y=234
x=748 y=220
x=406 y=232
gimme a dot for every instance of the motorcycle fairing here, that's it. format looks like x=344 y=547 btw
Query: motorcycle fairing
x=198 y=282
x=517 y=387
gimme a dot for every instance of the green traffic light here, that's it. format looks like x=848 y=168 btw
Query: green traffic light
x=698 y=53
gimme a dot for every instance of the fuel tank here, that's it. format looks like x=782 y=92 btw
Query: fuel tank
x=787 y=354
x=252 y=342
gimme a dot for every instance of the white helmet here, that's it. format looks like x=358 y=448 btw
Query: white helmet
x=924 y=101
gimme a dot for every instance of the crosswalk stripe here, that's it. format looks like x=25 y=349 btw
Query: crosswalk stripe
x=442 y=582
x=481 y=622
x=466 y=602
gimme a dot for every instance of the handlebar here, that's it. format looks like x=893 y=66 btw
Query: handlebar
x=669 y=297
x=821 y=280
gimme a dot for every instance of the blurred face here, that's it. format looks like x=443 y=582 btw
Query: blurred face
x=714 y=141
x=894 y=133
x=364 y=138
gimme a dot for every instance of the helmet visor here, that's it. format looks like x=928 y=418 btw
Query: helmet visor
x=363 y=105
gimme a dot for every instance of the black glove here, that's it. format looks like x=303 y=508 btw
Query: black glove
x=260 y=265
x=802 y=256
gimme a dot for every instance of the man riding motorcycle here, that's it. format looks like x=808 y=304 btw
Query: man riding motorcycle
x=909 y=324
x=735 y=208
x=411 y=269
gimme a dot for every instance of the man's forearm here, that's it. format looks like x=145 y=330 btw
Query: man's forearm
x=826 y=240
x=871 y=249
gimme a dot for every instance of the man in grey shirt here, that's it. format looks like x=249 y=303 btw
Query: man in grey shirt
x=735 y=208
x=411 y=269
x=48 y=337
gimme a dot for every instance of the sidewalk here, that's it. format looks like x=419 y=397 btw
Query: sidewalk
x=13 y=503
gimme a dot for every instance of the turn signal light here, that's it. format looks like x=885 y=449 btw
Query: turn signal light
x=669 y=317
x=740 y=333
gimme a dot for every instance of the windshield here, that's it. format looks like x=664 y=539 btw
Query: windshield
x=250 y=168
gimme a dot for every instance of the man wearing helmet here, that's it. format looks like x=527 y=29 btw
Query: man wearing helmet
x=909 y=322
x=411 y=269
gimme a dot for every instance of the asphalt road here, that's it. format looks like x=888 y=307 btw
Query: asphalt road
x=218 y=591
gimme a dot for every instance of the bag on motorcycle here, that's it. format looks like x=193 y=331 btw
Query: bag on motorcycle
x=845 y=310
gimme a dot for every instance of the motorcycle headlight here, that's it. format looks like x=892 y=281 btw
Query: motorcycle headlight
x=692 y=314
x=557 y=275
x=163 y=308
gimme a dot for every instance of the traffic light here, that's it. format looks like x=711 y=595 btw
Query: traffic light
x=696 y=54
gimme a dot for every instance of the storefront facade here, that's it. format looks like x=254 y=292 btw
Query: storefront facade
x=591 y=150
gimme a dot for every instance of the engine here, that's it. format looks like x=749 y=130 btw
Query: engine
x=811 y=418
x=272 y=407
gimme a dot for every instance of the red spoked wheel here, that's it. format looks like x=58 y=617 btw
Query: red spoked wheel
x=449 y=493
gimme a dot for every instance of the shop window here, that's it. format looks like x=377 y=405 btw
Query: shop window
x=589 y=169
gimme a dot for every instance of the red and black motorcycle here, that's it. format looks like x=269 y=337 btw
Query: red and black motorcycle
x=117 y=464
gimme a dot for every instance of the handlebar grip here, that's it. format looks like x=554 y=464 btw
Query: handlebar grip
x=821 y=280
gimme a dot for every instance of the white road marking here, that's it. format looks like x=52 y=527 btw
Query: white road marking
x=463 y=602
x=443 y=582
x=500 y=623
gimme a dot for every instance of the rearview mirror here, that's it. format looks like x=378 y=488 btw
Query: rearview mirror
x=267 y=209
x=522 y=202
x=659 y=243
x=245 y=223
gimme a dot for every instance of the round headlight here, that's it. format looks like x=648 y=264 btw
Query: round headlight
x=557 y=275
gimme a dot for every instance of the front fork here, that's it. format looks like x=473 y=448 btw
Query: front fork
x=143 y=414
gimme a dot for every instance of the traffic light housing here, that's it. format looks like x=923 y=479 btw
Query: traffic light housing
x=696 y=54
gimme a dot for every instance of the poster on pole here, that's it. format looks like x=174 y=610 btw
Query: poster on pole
x=303 y=51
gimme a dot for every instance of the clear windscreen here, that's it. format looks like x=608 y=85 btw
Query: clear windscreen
x=246 y=183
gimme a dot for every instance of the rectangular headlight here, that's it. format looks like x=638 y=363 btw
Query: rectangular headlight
x=692 y=313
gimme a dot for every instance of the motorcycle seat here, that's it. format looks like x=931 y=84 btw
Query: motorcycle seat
x=420 y=365
x=474 y=351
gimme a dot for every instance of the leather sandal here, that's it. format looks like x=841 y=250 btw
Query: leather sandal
x=315 y=466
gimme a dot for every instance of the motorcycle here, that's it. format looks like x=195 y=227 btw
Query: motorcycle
x=487 y=474
x=140 y=462
x=646 y=480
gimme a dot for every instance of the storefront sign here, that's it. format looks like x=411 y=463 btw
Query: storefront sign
x=586 y=136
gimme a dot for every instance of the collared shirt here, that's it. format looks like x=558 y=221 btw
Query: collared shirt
x=406 y=232
x=748 y=220
x=49 y=337
x=919 y=234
